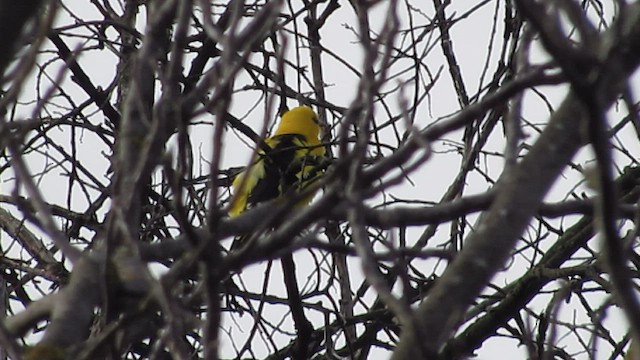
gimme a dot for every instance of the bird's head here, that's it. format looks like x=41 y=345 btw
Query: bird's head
x=300 y=120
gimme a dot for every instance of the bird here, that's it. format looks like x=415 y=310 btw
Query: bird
x=289 y=161
x=292 y=160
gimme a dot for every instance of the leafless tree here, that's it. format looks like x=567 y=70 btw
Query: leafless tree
x=482 y=191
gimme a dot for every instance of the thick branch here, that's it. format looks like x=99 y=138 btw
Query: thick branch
x=490 y=245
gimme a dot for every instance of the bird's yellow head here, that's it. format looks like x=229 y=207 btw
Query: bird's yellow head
x=300 y=120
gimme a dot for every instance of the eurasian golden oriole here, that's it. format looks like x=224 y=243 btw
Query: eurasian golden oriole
x=295 y=158
x=290 y=160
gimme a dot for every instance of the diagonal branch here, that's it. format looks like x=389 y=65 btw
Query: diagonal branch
x=499 y=228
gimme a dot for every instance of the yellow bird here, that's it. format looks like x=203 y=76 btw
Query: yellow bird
x=294 y=160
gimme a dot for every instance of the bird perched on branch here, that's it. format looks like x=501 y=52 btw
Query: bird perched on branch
x=289 y=161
